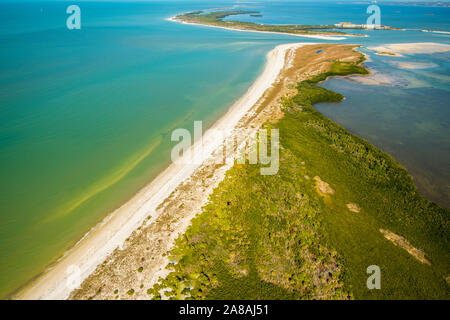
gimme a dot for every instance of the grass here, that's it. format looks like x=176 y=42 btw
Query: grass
x=277 y=237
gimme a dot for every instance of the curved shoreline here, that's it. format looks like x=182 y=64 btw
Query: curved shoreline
x=96 y=245
x=322 y=37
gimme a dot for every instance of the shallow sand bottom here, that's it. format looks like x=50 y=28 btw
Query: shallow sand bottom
x=396 y=49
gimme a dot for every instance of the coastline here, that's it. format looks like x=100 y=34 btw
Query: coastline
x=112 y=233
x=322 y=37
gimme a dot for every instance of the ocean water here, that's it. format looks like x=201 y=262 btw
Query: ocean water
x=86 y=115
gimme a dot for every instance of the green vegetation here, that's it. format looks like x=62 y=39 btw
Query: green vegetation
x=338 y=68
x=130 y=292
x=140 y=269
x=363 y=174
x=278 y=237
x=216 y=19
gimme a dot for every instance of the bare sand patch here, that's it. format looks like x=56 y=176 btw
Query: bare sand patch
x=353 y=207
x=401 y=242
x=374 y=79
x=396 y=49
x=322 y=186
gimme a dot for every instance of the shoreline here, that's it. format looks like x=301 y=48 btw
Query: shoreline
x=104 y=238
x=322 y=37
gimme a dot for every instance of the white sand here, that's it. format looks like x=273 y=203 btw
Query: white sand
x=111 y=233
x=323 y=37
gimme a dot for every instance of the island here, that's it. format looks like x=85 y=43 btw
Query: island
x=216 y=19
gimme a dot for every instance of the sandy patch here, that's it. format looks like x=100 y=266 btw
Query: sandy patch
x=396 y=49
x=322 y=186
x=392 y=79
x=353 y=207
x=414 y=65
x=401 y=242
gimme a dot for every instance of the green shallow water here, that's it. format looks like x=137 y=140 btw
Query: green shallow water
x=86 y=115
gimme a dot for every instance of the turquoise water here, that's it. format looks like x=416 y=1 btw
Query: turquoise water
x=86 y=115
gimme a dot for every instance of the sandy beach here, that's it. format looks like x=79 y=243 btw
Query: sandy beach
x=145 y=207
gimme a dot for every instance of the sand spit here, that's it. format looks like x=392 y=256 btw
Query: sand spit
x=146 y=206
